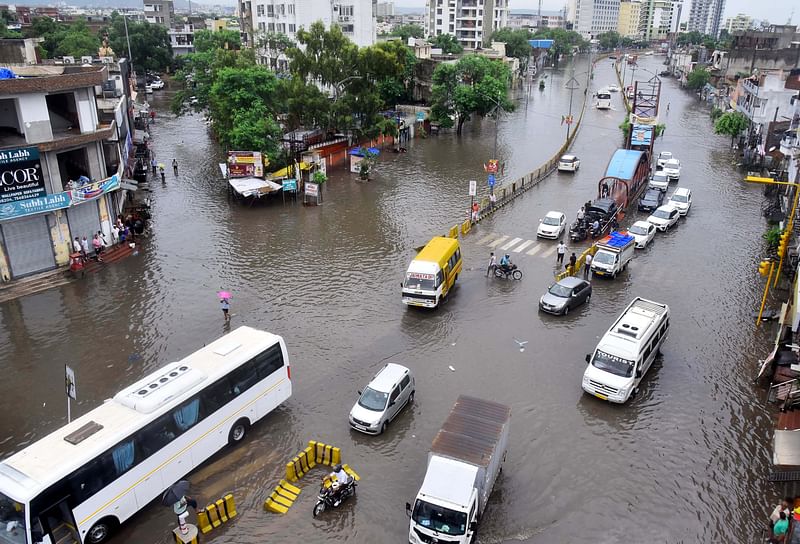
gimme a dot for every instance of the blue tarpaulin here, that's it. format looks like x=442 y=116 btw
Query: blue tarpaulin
x=623 y=163
x=541 y=44
x=6 y=73
x=359 y=151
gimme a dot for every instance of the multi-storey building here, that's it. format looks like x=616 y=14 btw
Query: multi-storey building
x=529 y=19
x=593 y=17
x=630 y=12
x=356 y=18
x=160 y=12
x=181 y=35
x=470 y=21
x=740 y=23
x=384 y=9
x=659 y=18
x=705 y=16
x=63 y=151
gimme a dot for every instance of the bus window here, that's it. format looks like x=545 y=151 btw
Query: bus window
x=86 y=481
x=268 y=361
x=187 y=415
x=12 y=521
x=124 y=457
x=242 y=379
x=156 y=435
x=216 y=396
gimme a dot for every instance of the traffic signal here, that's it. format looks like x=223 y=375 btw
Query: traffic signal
x=784 y=241
x=763 y=268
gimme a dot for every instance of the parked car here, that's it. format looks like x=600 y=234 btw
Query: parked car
x=643 y=232
x=652 y=199
x=664 y=217
x=672 y=168
x=569 y=163
x=613 y=88
x=659 y=181
x=552 y=226
x=662 y=159
x=564 y=295
x=157 y=84
x=378 y=404
x=681 y=199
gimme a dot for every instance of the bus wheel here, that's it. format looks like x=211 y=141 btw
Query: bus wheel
x=238 y=431
x=101 y=530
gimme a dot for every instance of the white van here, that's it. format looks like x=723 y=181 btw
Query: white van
x=380 y=402
x=627 y=351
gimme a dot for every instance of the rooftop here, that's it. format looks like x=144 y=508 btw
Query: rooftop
x=41 y=78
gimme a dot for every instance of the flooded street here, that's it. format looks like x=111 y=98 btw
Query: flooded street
x=686 y=461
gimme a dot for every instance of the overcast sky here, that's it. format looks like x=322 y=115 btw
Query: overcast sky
x=775 y=11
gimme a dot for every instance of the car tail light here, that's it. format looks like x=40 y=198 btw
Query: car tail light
x=289 y=372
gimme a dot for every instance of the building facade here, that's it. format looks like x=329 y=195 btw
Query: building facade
x=63 y=150
x=384 y=9
x=356 y=18
x=630 y=12
x=705 y=16
x=531 y=20
x=160 y=12
x=659 y=18
x=593 y=17
x=740 y=23
x=470 y=21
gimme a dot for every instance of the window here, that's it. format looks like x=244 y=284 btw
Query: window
x=262 y=27
x=86 y=481
x=268 y=362
x=260 y=10
x=242 y=379
x=281 y=27
x=406 y=380
x=123 y=457
x=395 y=394
x=346 y=11
x=271 y=27
x=187 y=415
x=292 y=28
x=290 y=10
x=270 y=11
x=216 y=396
x=156 y=435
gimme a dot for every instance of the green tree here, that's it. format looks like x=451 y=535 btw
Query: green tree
x=271 y=45
x=473 y=85
x=207 y=40
x=448 y=44
x=698 y=78
x=690 y=38
x=325 y=56
x=564 y=41
x=150 y=47
x=408 y=31
x=76 y=40
x=609 y=40
x=516 y=44
x=732 y=124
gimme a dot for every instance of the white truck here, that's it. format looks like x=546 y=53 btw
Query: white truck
x=614 y=252
x=466 y=456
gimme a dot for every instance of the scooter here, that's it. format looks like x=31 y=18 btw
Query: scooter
x=332 y=498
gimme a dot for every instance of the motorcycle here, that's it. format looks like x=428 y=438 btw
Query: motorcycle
x=330 y=498
x=506 y=272
x=578 y=231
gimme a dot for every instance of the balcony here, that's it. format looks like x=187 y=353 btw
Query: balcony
x=750 y=86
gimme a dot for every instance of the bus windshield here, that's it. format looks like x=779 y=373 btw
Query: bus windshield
x=420 y=282
x=440 y=519
x=613 y=364
x=12 y=521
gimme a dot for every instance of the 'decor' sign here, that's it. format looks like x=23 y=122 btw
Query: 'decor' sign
x=20 y=174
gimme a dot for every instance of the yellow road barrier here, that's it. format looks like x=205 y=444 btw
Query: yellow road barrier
x=465 y=226
x=216 y=513
x=453 y=232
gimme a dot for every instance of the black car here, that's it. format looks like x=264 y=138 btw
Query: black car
x=651 y=200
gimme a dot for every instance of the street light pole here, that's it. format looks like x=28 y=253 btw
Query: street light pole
x=572 y=84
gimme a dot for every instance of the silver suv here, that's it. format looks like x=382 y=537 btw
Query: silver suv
x=379 y=403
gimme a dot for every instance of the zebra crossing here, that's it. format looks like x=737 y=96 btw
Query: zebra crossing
x=501 y=243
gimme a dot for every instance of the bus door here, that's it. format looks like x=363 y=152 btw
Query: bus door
x=59 y=524
x=445 y=280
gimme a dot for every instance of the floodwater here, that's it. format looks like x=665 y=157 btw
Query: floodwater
x=686 y=461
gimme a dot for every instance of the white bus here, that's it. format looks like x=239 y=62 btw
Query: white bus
x=603 y=99
x=77 y=484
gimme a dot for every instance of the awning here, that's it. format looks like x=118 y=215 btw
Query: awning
x=253 y=186
x=786 y=448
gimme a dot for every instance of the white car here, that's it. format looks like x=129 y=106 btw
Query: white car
x=643 y=232
x=157 y=84
x=379 y=403
x=664 y=217
x=613 y=88
x=659 y=181
x=569 y=163
x=672 y=168
x=681 y=200
x=663 y=157
x=552 y=226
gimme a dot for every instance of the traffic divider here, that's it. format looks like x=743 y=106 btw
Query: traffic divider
x=216 y=513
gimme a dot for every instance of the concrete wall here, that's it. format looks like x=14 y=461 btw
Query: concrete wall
x=10 y=115
x=87 y=110
x=35 y=118
x=746 y=60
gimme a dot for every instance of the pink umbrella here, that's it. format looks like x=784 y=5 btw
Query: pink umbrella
x=224 y=294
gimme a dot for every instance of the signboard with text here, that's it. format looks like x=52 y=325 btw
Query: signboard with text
x=290 y=185
x=20 y=175
x=46 y=203
x=245 y=164
x=473 y=187
x=312 y=189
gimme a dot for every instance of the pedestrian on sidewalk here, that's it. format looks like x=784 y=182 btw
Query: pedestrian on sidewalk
x=475 y=209
x=85 y=248
x=587 y=263
x=103 y=239
x=492 y=200
x=114 y=234
x=163 y=176
x=97 y=244
x=572 y=262
x=560 y=252
x=154 y=164
x=76 y=246
x=175 y=166
x=492 y=264
x=226 y=307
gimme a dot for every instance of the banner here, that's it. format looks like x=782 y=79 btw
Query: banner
x=91 y=191
x=20 y=175
x=46 y=203
x=243 y=164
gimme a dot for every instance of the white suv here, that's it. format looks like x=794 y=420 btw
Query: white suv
x=681 y=200
x=380 y=402
x=659 y=181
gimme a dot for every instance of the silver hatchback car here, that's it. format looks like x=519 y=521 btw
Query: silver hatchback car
x=379 y=403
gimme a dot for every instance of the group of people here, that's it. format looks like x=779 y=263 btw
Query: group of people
x=123 y=230
x=780 y=519
x=159 y=168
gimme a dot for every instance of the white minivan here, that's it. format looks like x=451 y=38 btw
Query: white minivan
x=379 y=403
x=627 y=351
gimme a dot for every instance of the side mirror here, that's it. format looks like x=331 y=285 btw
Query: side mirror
x=588 y=357
x=392 y=403
x=473 y=526
x=408 y=509
x=359 y=391
x=401 y=284
x=638 y=374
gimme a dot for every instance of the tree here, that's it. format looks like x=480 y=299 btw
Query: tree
x=516 y=44
x=326 y=56
x=564 y=41
x=473 y=85
x=76 y=40
x=609 y=40
x=698 y=78
x=690 y=38
x=207 y=40
x=732 y=124
x=448 y=44
x=150 y=47
x=271 y=45
x=408 y=31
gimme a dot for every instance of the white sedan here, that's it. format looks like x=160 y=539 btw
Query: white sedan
x=664 y=217
x=672 y=168
x=552 y=226
x=643 y=232
x=613 y=88
x=663 y=157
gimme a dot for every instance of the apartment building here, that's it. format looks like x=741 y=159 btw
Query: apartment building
x=739 y=23
x=64 y=146
x=470 y=21
x=530 y=19
x=356 y=18
x=593 y=17
x=630 y=12
x=659 y=18
x=160 y=12
x=705 y=16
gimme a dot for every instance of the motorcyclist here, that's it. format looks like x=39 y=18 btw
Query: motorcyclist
x=339 y=481
x=505 y=262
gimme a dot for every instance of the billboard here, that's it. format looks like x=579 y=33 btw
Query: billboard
x=245 y=164
x=20 y=175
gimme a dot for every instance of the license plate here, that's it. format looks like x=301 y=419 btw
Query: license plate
x=359 y=427
x=599 y=272
x=599 y=396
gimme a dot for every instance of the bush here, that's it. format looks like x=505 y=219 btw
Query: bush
x=716 y=113
x=773 y=236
